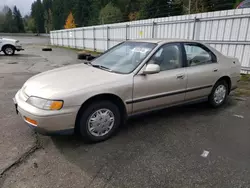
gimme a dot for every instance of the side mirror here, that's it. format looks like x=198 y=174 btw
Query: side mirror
x=152 y=69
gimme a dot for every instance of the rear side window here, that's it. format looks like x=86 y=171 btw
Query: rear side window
x=197 y=55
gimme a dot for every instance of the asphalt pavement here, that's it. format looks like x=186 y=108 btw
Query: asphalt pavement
x=189 y=146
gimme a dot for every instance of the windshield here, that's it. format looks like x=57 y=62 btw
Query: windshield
x=125 y=57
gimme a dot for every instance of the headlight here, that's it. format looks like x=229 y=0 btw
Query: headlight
x=17 y=42
x=45 y=104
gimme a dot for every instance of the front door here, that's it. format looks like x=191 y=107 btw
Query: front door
x=165 y=88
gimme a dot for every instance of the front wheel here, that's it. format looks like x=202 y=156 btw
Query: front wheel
x=219 y=94
x=99 y=121
x=9 y=50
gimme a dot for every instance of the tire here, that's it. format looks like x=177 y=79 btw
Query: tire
x=9 y=50
x=220 y=87
x=91 y=57
x=84 y=125
x=47 y=49
x=83 y=55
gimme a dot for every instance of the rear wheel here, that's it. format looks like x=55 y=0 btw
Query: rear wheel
x=219 y=94
x=9 y=50
x=99 y=121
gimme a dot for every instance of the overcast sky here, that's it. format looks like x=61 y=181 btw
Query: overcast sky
x=22 y=5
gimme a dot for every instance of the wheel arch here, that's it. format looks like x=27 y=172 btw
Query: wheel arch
x=228 y=80
x=106 y=96
x=5 y=45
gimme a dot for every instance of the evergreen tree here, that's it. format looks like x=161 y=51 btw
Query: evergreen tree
x=31 y=27
x=81 y=12
x=95 y=7
x=110 y=14
x=2 y=18
x=17 y=21
x=8 y=22
x=221 y=5
x=58 y=12
x=47 y=5
x=67 y=8
x=37 y=12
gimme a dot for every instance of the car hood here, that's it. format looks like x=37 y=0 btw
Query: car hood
x=55 y=83
x=8 y=40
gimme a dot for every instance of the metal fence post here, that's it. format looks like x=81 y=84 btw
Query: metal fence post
x=153 y=30
x=83 y=38
x=108 y=39
x=68 y=39
x=56 y=38
x=94 y=38
x=194 y=28
x=75 y=38
x=62 y=38
x=127 y=31
x=51 y=36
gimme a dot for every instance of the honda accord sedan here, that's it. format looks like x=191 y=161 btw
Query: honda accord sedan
x=96 y=98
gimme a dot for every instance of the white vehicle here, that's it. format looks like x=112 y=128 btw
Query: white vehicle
x=9 y=46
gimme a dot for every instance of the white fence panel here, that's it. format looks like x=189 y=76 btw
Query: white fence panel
x=228 y=31
x=78 y=38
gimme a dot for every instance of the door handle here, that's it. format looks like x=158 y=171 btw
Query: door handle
x=215 y=70
x=181 y=76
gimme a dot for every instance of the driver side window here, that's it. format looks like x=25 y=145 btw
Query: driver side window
x=168 y=57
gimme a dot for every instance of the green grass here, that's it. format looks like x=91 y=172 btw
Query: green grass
x=245 y=77
x=241 y=92
x=243 y=89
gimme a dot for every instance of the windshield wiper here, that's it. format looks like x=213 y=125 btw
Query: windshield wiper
x=97 y=66
x=102 y=67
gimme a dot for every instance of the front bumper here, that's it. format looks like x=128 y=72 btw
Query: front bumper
x=48 y=122
x=19 y=48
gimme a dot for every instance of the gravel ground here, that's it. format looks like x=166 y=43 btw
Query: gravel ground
x=161 y=149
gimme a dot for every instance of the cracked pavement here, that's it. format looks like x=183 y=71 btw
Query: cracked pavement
x=161 y=149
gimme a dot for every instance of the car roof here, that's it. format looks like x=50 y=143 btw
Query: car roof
x=163 y=40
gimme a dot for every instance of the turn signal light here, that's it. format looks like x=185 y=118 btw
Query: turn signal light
x=56 y=105
x=31 y=121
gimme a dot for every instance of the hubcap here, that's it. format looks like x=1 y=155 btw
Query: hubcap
x=220 y=94
x=101 y=122
x=9 y=51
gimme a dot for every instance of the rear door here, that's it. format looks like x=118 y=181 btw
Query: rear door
x=164 y=88
x=202 y=70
